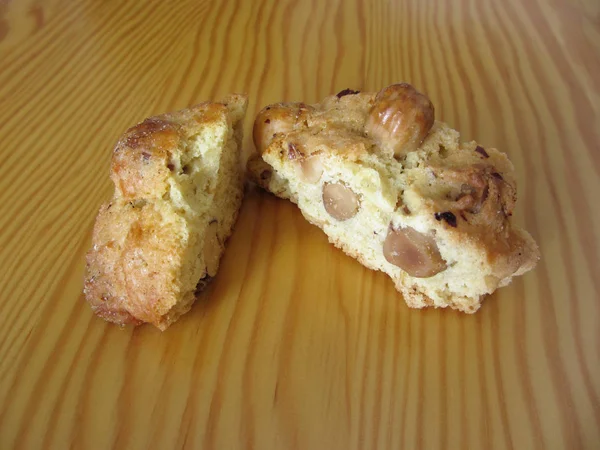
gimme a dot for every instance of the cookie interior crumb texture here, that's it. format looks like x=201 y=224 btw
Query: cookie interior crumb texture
x=398 y=191
x=178 y=188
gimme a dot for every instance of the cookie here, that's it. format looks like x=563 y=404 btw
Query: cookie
x=178 y=188
x=398 y=191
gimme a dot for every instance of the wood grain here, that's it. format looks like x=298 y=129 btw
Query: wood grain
x=296 y=346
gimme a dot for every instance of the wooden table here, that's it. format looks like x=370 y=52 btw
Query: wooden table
x=295 y=345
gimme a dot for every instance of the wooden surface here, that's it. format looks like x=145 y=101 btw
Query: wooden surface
x=296 y=346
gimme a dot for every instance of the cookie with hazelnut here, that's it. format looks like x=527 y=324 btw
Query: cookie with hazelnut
x=398 y=191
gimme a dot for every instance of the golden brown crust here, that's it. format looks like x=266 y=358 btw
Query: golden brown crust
x=324 y=122
x=141 y=162
x=144 y=239
x=144 y=150
x=133 y=267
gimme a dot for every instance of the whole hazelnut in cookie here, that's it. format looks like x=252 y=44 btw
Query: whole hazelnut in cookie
x=400 y=119
x=340 y=201
x=414 y=252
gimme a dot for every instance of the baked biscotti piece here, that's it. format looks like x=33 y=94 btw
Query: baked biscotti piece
x=398 y=191
x=178 y=188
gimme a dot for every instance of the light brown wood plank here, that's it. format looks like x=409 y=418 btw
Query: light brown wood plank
x=295 y=345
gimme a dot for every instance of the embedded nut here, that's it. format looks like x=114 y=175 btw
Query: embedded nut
x=340 y=201
x=400 y=119
x=269 y=122
x=275 y=120
x=212 y=248
x=311 y=169
x=414 y=252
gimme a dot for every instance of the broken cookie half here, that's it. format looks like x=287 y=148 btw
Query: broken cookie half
x=398 y=191
x=178 y=189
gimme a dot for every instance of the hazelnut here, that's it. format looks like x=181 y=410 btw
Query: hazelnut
x=414 y=252
x=400 y=119
x=277 y=119
x=311 y=169
x=340 y=201
x=212 y=248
